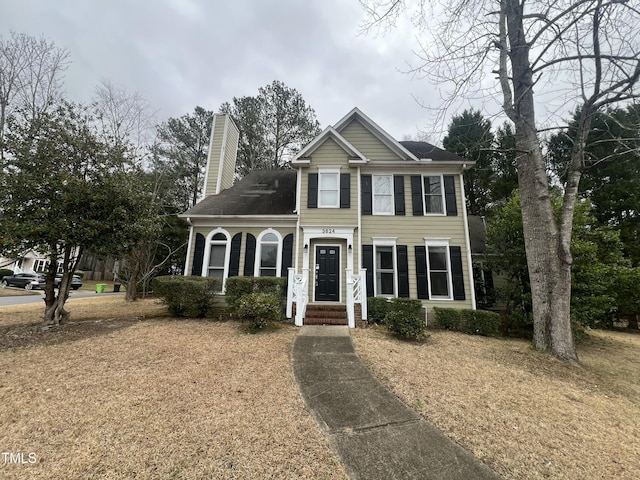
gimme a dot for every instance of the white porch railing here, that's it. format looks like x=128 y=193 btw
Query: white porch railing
x=356 y=293
x=297 y=293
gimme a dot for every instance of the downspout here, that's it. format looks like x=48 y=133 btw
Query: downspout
x=468 y=242
x=297 y=211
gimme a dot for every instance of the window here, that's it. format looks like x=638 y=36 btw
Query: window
x=268 y=257
x=382 y=195
x=385 y=271
x=433 y=194
x=40 y=265
x=328 y=190
x=217 y=257
x=439 y=271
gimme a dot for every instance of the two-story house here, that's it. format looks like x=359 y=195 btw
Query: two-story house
x=359 y=215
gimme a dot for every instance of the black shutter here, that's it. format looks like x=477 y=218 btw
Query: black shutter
x=234 y=256
x=287 y=254
x=421 y=272
x=398 y=194
x=198 y=255
x=365 y=192
x=345 y=190
x=450 y=195
x=455 y=255
x=312 y=191
x=367 y=262
x=403 y=270
x=416 y=194
x=250 y=256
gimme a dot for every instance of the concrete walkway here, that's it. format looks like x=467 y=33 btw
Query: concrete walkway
x=375 y=435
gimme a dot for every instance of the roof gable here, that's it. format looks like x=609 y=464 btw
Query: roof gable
x=386 y=139
x=328 y=133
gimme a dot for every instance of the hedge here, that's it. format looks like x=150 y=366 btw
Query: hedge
x=377 y=309
x=474 y=322
x=404 y=319
x=187 y=296
x=260 y=309
x=239 y=286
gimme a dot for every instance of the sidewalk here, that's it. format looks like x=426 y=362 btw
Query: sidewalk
x=375 y=435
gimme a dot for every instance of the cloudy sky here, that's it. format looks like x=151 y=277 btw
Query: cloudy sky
x=183 y=53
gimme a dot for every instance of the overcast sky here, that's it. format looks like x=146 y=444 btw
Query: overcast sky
x=183 y=53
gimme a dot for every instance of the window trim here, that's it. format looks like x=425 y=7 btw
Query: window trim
x=256 y=266
x=439 y=243
x=322 y=172
x=385 y=242
x=442 y=195
x=227 y=253
x=390 y=195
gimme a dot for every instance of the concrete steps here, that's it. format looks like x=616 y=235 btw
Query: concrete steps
x=326 y=314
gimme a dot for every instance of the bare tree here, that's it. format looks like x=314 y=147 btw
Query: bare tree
x=577 y=54
x=31 y=72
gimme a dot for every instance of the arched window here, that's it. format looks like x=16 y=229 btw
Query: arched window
x=216 y=259
x=269 y=256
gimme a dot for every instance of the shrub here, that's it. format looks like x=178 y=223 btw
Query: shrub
x=405 y=319
x=5 y=272
x=377 y=309
x=474 y=322
x=237 y=287
x=187 y=296
x=259 y=309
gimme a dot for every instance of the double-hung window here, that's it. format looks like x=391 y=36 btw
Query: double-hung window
x=329 y=189
x=268 y=258
x=433 y=194
x=439 y=271
x=383 y=195
x=385 y=267
x=217 y=257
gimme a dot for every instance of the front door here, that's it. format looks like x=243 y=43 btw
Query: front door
x=327 y=274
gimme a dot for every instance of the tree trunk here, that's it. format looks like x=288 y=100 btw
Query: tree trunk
x=550 y=276
x=134 y=273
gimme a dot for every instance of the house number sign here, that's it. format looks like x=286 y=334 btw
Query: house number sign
x=328 y=230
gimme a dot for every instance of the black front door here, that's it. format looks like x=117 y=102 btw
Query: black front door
x=327 y=274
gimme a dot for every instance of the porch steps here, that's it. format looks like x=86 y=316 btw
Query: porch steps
x=326 y=314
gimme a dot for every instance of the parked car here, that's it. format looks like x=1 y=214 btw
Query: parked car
x=28 y=281
x=76 y=281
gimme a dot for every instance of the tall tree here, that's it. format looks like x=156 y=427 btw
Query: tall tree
x=611 y=178
x=64 y=191
x=31 y=72
x=273 y=126
x=181 y=154
x=588 y=52
x=470 y=136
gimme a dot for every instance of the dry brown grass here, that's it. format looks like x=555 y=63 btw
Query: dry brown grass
x=83 y=309
x=525 y=414
x=159 y=398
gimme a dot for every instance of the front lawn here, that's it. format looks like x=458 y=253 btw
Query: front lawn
x=525 y=414
x=152 y=397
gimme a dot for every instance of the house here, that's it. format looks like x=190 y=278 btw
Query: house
x=29 y=262
x=359 y=214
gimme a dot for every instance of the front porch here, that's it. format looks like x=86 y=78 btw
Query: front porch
x=351 y=312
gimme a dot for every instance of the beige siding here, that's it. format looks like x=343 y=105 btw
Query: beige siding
x=366 y=142
x=230 y=151
x=412 y=230
x=255 y=231
x=215 y=150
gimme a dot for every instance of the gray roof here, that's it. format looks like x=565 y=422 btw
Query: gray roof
x=426 y=150
x=261 y=192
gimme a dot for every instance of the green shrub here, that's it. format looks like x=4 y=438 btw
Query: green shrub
x=260 y=309
x=187 y=296
x=405 y=319
x=5 y=272
x=377 y=309
x=237 y=287
x=474 y=322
